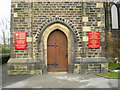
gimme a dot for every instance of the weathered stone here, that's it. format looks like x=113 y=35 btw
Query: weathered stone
x=85 y=19
x=85 y=38
x=86 y=29
x=15 y=15
x=40 y=19
x=99 y=5
x=29 y=39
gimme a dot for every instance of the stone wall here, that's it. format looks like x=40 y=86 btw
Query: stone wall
x=112 y=36
x=21 y=22
x=81 y=17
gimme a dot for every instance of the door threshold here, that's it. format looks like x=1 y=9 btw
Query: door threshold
x=57 y=72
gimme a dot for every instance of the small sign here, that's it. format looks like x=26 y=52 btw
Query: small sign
x=93 y=39
x=20 y=40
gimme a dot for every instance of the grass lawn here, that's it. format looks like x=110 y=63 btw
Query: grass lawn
x=110 y=75
x=112 y=66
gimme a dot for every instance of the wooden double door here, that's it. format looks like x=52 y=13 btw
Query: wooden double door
x=57 y=52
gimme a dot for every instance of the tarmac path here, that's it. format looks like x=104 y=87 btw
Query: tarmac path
x=57 y=80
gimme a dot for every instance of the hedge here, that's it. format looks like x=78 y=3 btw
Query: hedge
x=4 y=58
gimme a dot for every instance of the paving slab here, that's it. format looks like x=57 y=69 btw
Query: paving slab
x=65 y=80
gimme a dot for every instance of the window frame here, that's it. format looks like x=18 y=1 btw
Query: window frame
x=118 y=12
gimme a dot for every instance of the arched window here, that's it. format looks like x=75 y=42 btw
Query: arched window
x=114 y=17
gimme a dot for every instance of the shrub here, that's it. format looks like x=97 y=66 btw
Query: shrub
x=5 y=54
x=113 y=65
x=4 y=58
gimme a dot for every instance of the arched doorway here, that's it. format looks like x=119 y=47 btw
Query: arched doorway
x=57 y=51
x=71 y=55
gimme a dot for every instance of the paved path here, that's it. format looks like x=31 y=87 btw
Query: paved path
x=66 y=81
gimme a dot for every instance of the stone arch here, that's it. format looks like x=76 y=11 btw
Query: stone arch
x=51 y=21
x=41 y=40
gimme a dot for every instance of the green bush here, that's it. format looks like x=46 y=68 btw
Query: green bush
x=5 y=47
x=113 y=66
x=5 y=55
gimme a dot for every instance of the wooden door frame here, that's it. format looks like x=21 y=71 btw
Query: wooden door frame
x=58 y=37
x=70 y=38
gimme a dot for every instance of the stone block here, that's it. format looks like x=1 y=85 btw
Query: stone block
x=29 y=39
x=38 y=72
x=99 y=24
x=12 y=72
x=104 y=65
x=99 y=15
x=84 y=66
x=15 y=15
x=85 y=19
x=85 y=38
x=32 y=72
x=16 y=5
x=77 y=66
x=86 y=28
x=99 y=5
x=76 y=71
x=20 y=67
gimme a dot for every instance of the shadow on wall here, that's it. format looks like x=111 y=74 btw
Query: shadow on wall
x=113 y=46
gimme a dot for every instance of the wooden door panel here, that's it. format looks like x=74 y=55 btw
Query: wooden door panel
x=57 y=51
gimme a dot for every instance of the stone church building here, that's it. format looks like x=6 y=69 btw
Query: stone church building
x=62 y=36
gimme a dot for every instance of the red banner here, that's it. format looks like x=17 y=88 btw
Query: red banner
x=94 y=39
x=20 y=40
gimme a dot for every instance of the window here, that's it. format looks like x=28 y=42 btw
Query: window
x=114 y=17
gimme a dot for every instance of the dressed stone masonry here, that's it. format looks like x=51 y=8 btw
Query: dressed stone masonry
x=75 y=19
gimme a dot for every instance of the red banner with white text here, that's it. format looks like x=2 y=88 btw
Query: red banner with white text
x=20 y=40
x=93 y=39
